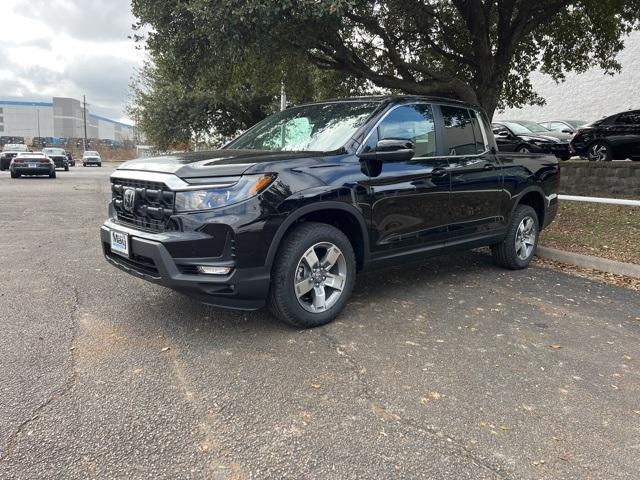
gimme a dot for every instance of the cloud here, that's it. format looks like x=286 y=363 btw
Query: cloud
x=69 y=48
x=83 y=19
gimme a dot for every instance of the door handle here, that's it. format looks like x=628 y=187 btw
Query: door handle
x=439 y=172
x=489 y=166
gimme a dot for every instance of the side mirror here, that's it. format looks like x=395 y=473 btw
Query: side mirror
x=391 y=150
x=503 y=134
x=566 y=130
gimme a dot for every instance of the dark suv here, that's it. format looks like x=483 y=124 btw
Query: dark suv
x=286 y=214
x=613 y=138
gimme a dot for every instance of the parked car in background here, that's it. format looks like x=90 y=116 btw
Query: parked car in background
x=616 y=137
x=287 y=213
x=59 y=157
x=9 y=151
x=32 y=163
x=525 y=136
x=564 y=126
x=91 y=157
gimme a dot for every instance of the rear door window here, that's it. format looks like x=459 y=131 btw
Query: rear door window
x=459 y=137
x=629 y=118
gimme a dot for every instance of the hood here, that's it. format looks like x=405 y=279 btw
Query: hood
x=217 y=163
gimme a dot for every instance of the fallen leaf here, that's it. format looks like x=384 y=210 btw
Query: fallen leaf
x=637 y=412
x=626 y=357
x=413 y=344
x=504 y=427
x=315 y=385
x=165 y=349
x=556 y=346
x=563 y=391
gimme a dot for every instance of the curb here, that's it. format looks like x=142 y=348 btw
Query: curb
x=587 y=261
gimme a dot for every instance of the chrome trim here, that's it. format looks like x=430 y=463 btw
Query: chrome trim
x=173 y=182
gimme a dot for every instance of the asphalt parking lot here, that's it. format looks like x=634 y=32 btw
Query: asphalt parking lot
x=450 y=369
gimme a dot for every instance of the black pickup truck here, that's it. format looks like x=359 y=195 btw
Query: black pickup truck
x=290 y=211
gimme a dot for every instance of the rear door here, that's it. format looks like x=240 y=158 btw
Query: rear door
x=409 y=199
x=624 y=135
x=476 y=174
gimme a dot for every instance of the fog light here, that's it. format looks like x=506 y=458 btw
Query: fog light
x=213 y=270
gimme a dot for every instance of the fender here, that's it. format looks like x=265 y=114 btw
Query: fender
x=295 y=215
x=531 y=188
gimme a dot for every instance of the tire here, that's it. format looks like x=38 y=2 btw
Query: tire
x=564 y=158
x=66 y=168
x=599 y=152
x=15 y=175
x=507 y=254
x=100 y=164
x=84 y=164
x=293 y=265
x=52 y=174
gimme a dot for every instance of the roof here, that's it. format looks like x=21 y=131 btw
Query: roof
x=390 y=98
x=26 y=104
x=105 y=119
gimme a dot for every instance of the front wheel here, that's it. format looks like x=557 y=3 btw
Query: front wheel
x=313 y=275
x=66 y=168
x=516 y=250
x=100 y=164
x=599 y=152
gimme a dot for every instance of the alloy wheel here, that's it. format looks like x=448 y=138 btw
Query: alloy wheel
x=598 y=152
x=525 y=238
x=320 y=277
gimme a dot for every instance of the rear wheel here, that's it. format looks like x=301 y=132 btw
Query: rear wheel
x=599 y=152
x=15 y=175
x=52 y=174
x=313 y=275
x=516 y=250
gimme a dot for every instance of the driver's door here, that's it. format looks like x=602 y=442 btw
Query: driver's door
x=408 y=199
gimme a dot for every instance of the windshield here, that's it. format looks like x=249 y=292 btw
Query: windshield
x=90 y=154
x=576 y=123
x=531 y=127
x=310 y=128
x=518 y=128
x=53 y=151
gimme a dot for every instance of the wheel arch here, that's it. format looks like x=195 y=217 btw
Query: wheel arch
x=536 y=199
x=343 y=216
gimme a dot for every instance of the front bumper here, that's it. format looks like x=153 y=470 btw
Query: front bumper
x=150 y=259
x=91 y=161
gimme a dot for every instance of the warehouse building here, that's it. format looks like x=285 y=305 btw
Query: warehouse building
x=62 y=118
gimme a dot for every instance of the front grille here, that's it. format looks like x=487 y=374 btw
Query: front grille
x=153 y=204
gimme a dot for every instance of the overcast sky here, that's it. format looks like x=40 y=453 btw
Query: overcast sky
x=68 y=48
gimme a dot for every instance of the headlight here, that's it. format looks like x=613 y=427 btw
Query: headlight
x=214 y=197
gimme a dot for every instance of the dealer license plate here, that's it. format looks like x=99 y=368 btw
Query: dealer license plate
x=120 y=243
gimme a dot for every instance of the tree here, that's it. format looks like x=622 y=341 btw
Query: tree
x=482 y=51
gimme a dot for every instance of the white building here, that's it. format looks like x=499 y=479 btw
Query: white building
x=62 y=117
x=589 y=96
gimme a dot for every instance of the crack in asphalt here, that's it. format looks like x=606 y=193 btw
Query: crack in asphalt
x=13 y=439
x=387 y=414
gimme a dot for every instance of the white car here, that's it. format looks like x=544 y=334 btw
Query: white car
x=91 y=157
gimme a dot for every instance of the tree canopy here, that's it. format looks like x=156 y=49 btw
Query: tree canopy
x=219 y=63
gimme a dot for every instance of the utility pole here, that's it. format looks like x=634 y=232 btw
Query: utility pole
x=38 y=114
x=84 y=118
